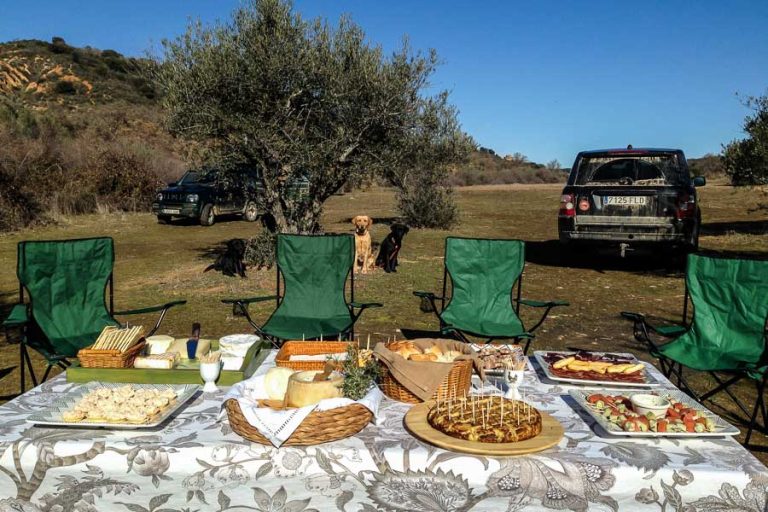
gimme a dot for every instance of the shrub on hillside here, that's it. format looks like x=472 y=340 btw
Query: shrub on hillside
x=18 y=208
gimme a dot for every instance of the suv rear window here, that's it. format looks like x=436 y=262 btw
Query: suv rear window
x=658 y=169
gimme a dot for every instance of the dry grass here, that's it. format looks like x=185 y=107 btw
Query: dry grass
x=157 y=263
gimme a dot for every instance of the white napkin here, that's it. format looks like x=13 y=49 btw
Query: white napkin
x=277 y=426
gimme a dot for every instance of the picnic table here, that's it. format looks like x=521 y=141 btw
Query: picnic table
x=195 y=462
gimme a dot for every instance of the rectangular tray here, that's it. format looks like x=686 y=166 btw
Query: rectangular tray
x=650 y=379
x=188 y=372
x=52 y=415
x=724 y=428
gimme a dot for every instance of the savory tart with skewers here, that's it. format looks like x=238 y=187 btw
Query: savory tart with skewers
x=490 y=419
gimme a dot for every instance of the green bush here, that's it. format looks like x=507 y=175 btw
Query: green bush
x=424 y=201
x=746 y=160
x=260 y=250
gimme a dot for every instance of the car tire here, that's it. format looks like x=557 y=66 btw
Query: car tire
x=250 y=212
x=163 y=219
x=207 y=217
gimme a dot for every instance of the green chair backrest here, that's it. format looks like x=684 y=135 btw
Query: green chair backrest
x=314 y=270
x=66 y=280
x=730 y=301
x=483 y=273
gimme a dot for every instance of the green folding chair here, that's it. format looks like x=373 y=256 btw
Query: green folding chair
x=312 y=302
x=727 y=334
x=65 y=283
x=483 y=274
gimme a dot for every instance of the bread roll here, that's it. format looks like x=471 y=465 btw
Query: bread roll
x=407 y=352
x=423 y=357
x=434 y=349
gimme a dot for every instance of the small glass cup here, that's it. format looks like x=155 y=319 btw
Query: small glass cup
x=210 y=372
x=191 y=348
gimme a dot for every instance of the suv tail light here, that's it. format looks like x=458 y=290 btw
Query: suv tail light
x=686 y=205
x=567 y=207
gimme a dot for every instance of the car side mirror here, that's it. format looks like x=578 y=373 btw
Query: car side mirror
x=699 y=181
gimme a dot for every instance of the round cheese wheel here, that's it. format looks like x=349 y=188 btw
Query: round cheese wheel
x=276 y=382
x=303 y=390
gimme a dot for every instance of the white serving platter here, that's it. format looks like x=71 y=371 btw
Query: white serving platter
x=722 y=427
x=52 y=415
x=650 y=380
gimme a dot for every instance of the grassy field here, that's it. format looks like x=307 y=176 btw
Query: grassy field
x=156 y=263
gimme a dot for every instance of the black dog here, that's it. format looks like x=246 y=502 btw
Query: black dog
x=387 y=257
x=231 y=261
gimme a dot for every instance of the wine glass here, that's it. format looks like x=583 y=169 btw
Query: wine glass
x=210 y=373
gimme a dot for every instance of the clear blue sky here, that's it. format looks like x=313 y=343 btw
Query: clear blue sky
x=545 y=78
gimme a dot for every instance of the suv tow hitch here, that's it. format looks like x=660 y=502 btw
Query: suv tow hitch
x=623 y=248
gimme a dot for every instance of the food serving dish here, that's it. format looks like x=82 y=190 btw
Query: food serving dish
x=719 y=426
x=52 y=416
x=494 y=356
x=186 y=372
x=644 y=378
x=417 y=424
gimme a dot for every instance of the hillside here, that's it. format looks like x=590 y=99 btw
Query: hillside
x=80 y=131
x=41 y=74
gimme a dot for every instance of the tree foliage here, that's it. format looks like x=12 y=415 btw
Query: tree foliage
x=746 y=160
x=300 y=97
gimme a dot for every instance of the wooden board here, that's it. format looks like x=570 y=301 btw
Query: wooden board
x=416 y=423
x=188 y=372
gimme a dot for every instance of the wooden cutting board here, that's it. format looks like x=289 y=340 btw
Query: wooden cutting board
x=416 y=423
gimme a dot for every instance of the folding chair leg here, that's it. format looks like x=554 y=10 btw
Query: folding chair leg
x=759 y=405
x=22 y=369
x=29 y=367
x=47 y=371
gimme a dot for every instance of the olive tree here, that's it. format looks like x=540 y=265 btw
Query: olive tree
x=304 y=99
x=746 y=160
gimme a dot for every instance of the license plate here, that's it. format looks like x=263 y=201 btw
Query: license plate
x=624 y=200
x=170 y=211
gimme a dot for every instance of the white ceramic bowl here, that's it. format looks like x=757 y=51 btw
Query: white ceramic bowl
x=644 y=403
x=237 y=344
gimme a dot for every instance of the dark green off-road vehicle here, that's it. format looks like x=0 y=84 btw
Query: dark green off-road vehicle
x=628 y=198
x=207 y=193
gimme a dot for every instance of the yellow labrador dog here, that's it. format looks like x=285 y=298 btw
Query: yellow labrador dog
x=363 y=253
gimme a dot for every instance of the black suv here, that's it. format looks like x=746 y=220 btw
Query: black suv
x=203 y=194
x=630 y=197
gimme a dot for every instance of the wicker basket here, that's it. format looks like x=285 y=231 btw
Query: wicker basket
x=308 y=348
x=317 y=428
x=90 y=358
x=457 y=382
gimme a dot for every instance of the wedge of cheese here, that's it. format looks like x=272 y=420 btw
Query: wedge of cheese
x=303 y=390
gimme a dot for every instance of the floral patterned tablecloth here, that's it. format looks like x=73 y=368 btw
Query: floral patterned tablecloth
x=196 y=463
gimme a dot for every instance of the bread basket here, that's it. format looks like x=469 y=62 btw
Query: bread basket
x=317 y=428
x=308 y=348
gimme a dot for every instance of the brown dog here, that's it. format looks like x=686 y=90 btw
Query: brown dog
x=363 y=253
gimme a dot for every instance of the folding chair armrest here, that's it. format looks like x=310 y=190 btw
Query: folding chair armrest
x=151 y=309
x=364 y=305
x=668 y=331
x=427 y=295
x=543 y=304
x=18 y=317
x=250 y=300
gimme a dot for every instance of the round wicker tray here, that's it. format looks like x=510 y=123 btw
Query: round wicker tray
x=317 y=428
x=456 y=383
